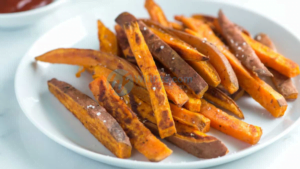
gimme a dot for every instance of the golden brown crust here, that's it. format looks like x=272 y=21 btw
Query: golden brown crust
x=107 y=39
x=141 y=138
x=222 y=100
x=91 y=58
x=240 y=47
x=94 y=117
x=154 y=84
x=167 y=56
x=217 y=59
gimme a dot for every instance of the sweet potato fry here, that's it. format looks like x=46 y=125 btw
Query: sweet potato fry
x=284 y=85
x=177 y=26
x=107 y=39
x=185 y=50
x=156 y=13
x=187 y=117
x=207 y=72
x=194 y=142
x=230 y=125
x=272 y=59
x=174 y=92
x=238 y=94
x=221 y=99
x=205 y=69
x=258 y=89
x=94 y=117
x=168 y=57
x=141 y=138
x=123 y=42
x=91 y=58
x=188 y=138
x=179 y=114
x=154 y=85
x=193 y=104
x=265 y=40
x=217 y=59
x=240 y=47
x=211 y=21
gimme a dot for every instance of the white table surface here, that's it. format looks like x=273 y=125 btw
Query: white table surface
x=23 y=146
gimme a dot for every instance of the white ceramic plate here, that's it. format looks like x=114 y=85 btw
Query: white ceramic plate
x=55 y=121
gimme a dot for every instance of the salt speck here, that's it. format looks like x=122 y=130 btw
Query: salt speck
x=173 y=58
x=192 y=134
x=244 y=43
x=121 y=98
x=145 y=28
x=239 y=48
x=161 y=47
x=188 y=48
x=77 y=97
x=231 y=41
x=140 y=103
x=154 y=88
x=140 y=56
x=98 y=114
x=193 y=122
x=90 y=106
x=171 y=38
x=236 y=44
x=209 y=108
x=218 y=110
x=258 y=37
x=104 y=121
x=242 y=56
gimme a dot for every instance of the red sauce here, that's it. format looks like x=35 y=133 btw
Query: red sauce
x=10 y=6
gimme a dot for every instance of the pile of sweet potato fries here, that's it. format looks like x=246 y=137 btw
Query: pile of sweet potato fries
x=185 y=76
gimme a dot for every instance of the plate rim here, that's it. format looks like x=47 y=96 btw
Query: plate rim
x=114 y=161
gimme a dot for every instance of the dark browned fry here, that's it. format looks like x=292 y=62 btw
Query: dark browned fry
x=168 y=57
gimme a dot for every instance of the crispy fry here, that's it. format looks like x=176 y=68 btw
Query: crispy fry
x=177 y=26
x=230 y=125
x=174 y=92
x=156 y=13
x=272 y=59
x=265 y=40
x=188 y=138
x=211 y=21
x=238 y=94
x=104 y=127
x=187 y=117
x=91 y=58
x=205 y=69
x=207 y=72
x=284 y=85
x=240 y=47
x=193 y=104
x=141 y=138
x=194 y=142
x=185 y=50
x=153 y=81
x=217 y=59
x=168 y=57
x=123 y=42
x=107 y=39
x=264 y=94
x=221 y=99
